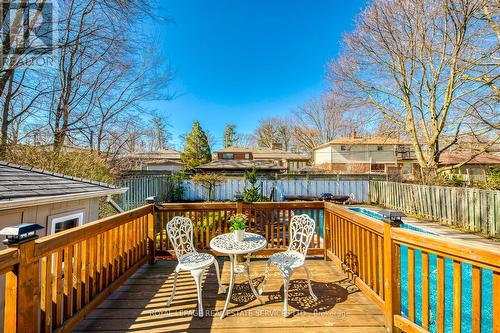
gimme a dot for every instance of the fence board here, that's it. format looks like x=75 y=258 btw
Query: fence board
x=141 y=187
x=468 y=208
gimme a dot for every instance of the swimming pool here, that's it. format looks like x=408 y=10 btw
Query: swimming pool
x=377 y=216
x=487 y=275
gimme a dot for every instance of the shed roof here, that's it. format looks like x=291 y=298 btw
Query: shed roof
x=24 y=186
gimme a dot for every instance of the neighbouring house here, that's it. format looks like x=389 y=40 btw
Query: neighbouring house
x=476 y=169
x=165 y=160
x=56 y=202
x=366 y=155
x=263 y=158
x=237 y=168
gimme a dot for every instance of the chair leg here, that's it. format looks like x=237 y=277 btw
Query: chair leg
x=173 y=288
x=285 y=296
x=309 y=283
x=197 y=274
x=250 y=281
x=221 y=287
x=266 y=276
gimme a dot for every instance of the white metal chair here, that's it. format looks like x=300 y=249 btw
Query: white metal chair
x=180 y=234
x=301 y=232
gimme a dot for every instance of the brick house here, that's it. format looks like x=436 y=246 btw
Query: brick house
x=238 y=159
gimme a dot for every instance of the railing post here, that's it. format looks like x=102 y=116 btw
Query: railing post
x=326 y=232
x=151 y=230
x=239 y=206
x=151 y=237
x=22 y=291
x=392 y=283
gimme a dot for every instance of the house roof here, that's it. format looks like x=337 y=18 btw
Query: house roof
x=163 y=161
x=241 y=165
x=457 y=157
x=24 y=186
x=374 y=140
x=264 y=153
x=164 y=154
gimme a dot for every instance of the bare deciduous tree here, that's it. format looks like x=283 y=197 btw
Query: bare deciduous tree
x=412 y=61
x=318 y=121
x=275 y=132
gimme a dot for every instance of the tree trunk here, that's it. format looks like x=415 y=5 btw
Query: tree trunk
x=4 y=131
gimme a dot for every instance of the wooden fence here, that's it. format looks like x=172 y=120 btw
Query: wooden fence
x=230 y=187
x=468 y=208
x=141 y=187
x=403 y=270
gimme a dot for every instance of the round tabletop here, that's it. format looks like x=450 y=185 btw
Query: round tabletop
x=226 y=243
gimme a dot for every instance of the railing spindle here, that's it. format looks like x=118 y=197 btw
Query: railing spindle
x=457 y=296
x=476 y=299
x=440 y=295
x=425 y=290
x=411 y=285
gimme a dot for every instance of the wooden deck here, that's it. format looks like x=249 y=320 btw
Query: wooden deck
x=139 y=304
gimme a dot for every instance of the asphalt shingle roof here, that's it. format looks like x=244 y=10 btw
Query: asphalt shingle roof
x=241 y=165
x=264 y=153
x=374 y=140
x=457 y=157
x=19 y=182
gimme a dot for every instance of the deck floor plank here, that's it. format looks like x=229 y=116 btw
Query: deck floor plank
x=139 y=305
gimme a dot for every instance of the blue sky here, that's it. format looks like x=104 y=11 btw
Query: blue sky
x=237 y=61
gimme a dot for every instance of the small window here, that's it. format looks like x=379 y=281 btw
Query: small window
x=380 y=148
x=378 y=167
x=228 y=156
x=66 y=222
x=247 y=156
x=65 y=225
x=345 y=148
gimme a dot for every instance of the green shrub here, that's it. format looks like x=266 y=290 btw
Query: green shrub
x=252 y=194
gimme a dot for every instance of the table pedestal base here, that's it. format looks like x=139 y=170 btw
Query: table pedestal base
x=239 y=268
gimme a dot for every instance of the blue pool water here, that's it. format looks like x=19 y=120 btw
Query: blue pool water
x=487 y=275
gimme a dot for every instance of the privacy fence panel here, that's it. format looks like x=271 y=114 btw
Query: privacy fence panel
x=141 y=187
x=468 y=208
x=229 y=188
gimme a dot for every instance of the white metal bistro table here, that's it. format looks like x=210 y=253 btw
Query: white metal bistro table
x=227 y=244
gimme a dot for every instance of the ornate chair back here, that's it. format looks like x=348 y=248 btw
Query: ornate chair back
x=180 y=234
x=301 y=233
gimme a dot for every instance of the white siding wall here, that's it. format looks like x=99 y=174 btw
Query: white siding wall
x=40 y=214
x=356 y=154
x=323 y=155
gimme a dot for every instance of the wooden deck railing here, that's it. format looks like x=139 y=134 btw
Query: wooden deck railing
x=55 y=281
x=266 y=218
x=374 y=253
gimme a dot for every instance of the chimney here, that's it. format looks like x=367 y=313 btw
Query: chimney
x=354 y=134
